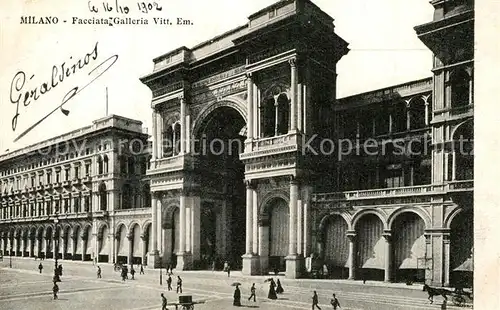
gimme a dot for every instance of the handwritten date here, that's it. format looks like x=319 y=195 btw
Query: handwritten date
x=116 y=7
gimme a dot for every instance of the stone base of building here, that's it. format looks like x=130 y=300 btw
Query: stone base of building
x=154 y=260
x=294 y=266
x=184 y=261
x=264 y=265
x=250 y=265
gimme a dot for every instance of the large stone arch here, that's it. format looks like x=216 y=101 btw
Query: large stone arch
x=345 y=215
x=264 y=204
x=379 y=213
x=451 y=215
x=413 y=209
x=469 y=122
x=231 y=102
x=168 y=215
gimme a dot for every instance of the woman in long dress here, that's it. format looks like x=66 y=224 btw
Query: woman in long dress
x=237 y=297
x=272 y=292
x=279 y=288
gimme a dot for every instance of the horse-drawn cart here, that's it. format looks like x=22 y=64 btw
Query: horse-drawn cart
x=461 y=298
x=186 y=303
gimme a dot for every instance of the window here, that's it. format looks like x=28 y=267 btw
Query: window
x=398 y=116
x=394 y=176
x=58 y=177
x=460 y=82
x=283 y=114
x=87 y=169
x=168 y=141
x=268 y=118
x=66 y=174
x=77 y=172
x=103 y=197
x=417 y=113
x=131 y=166
x=49 y=177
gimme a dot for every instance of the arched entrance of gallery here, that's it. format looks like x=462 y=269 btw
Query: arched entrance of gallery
x=219 y=140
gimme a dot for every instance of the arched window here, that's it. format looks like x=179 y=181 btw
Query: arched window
x=123 y=164
x=398 y=115
x=460 y=88
x=131 y=165
x=168 y=141
x=177 y=139
x=106 y=166
x=464 y=152
x=283 y=114
x=100 y=167
x=268 y=118
x=146 y=196
x=103 y=201
x=126 y=196
x=416 y=113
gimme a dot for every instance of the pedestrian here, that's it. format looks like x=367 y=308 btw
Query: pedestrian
x=60 y=270
x=228 y=270
x=272 y=292
x=132 y=272
x=213 y=265
x=315 y=301
x=237 y=297
x=55 y=290
x=142 y=270
x=252 y=293
x=99 y=271
x=40 y=267
x=169 y=283
x=443 y=305
x=179 y=284
x=335 y=302
x=124 y=274
x=279 y=288
x=163 y=302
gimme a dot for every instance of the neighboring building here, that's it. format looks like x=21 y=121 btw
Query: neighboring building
x=83 y=191
x=261 y=199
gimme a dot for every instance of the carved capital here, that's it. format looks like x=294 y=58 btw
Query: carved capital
x=294 y=180
x=144 y=237
x=250 y=184
x=130 y=237
x=387 y=235
x=351 y=235
x=293 y=62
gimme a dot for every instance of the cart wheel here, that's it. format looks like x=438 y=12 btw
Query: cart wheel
x=458 y=300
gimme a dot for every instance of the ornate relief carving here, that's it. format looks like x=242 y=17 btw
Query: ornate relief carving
x=218 y=77
x=220 y=92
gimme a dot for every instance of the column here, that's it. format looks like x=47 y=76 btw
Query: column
x=144 y=239
x=159 y=134
x=351 y=236
x=249 y=219
x=292 y=246
x=293 y=91
x=454 y=165
x=154 y=256
x=299 y=228
x=182 y=224
x=250 y=110
x=293 y=261
x=388 y=252
x=307 y=223
x=188 y=224
x=183 y=125
x=255 y=226
x=155 y=137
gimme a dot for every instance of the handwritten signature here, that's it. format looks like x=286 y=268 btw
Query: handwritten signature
x=18 y=93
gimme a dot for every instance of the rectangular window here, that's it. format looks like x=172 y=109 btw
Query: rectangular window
x=77 y=172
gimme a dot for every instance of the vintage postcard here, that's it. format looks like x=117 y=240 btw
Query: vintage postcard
x=255 y=153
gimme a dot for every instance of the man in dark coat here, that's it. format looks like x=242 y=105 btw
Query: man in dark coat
x=163 y=302
x=279 y=288
x=40 y=267
x=55 y=290
x=272 y=292
x=169 y=283
x=179 y=284
x=132 y=272
x=237 y=297
x=335 y=302
x=252 y=293
x=315 y=301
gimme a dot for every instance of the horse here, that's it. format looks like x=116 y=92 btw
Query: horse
x=432 y=291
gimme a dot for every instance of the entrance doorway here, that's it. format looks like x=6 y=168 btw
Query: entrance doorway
x=221 y=174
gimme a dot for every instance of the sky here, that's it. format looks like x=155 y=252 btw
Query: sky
x=384 y=51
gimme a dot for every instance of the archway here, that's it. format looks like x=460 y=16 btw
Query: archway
x=104 y=251
x=461 y=247
x=409 y=250
x=88 y=242
x=78 y=243
x=336 y=246
x=135 y=233
x=69 y=241
x=122 y=246
x=371 y=247
x=278 y=234
x=222 y=173
x=48 y=242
